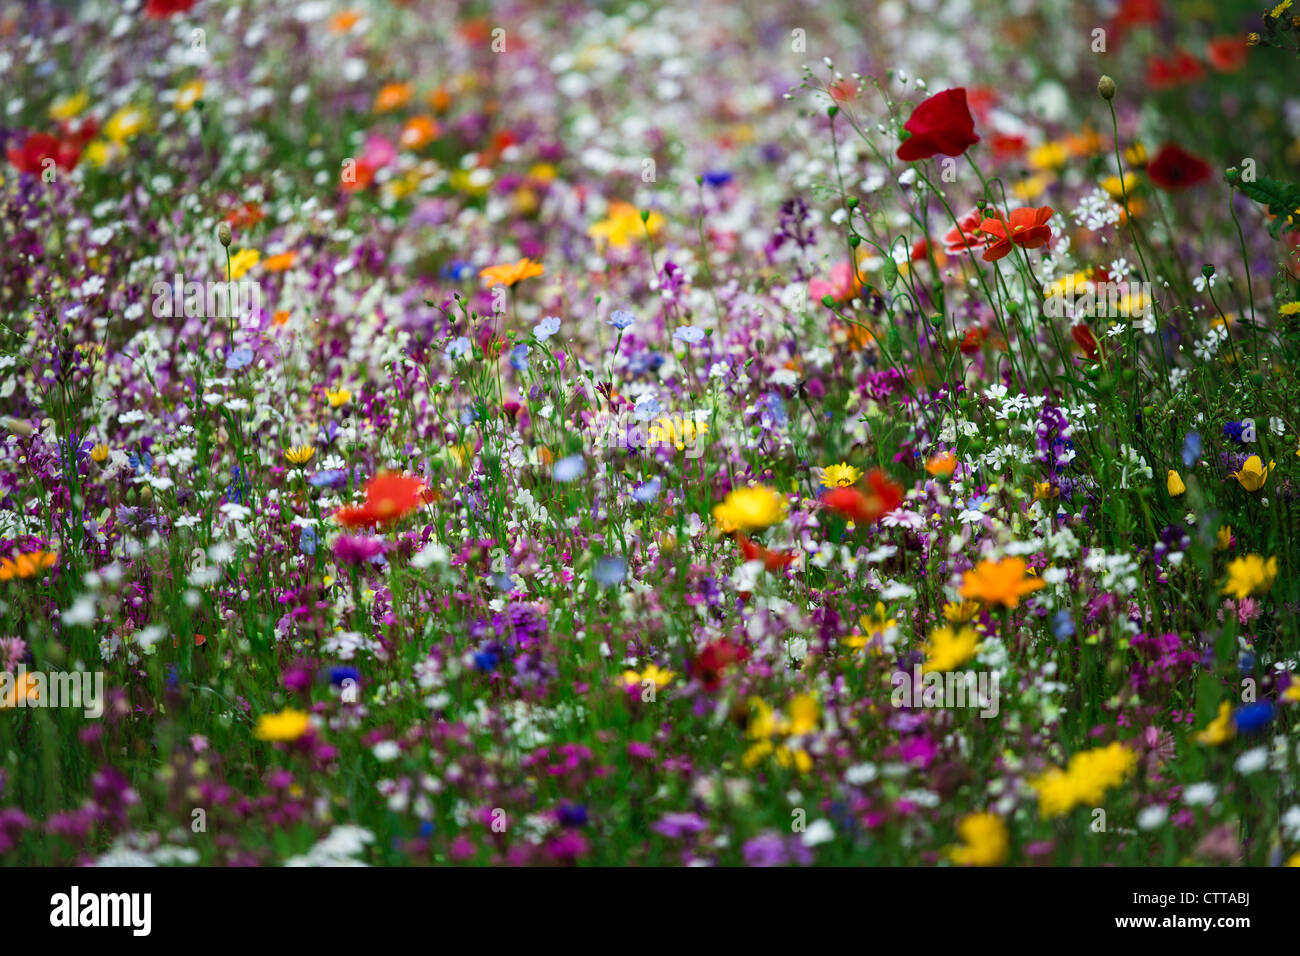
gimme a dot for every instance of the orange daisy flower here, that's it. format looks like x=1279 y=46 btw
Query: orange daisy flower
x=419 y=132
x=26 y=565
x=284 y=260
x=999 y=582
x=510 y=273
x=393 y=96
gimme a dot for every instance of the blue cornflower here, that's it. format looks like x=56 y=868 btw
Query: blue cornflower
x=621 y=319
x=307 y=539
x=239 y=358
x=1191 y=449
x=519 y=358
x=690 y=334
x=339 y=674
x=1249 y=718
x=458 y=347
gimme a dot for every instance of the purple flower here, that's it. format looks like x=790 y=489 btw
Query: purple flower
x=677 y=825
x=358 y=549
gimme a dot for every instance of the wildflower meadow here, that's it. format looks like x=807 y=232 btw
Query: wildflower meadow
x=520 y=433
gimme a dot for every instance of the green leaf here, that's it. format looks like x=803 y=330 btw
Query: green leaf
x=1282 y=199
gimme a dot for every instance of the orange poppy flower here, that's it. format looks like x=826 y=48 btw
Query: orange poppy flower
x=439 y=99
x=944 y=464
x=284 y=260
x=392 y=96
x=419 y=132
x=510 y=273
x=344 y=22
x=246 y=216
x=1026 y=227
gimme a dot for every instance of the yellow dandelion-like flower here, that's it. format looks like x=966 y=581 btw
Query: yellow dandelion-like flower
x=242 y=261
x=842 y=475
x=750 y=509
x=287 y=725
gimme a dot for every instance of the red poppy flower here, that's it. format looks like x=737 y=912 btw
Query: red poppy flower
x=1007 y=147
x=1227 y=54
x=1180 y=69
x=975 y=337
x=1175 y=168
x=966 y=235
x=940 y=124
x=1026 y=227
x=713 y=659
x=39 y=149
x=389 y=498
x=358 y=176
x=982 y=99
x=246 y=216
x=1084 y=338
x=79 y=131
x=1133 y=13
x=772 y=560
x=882 y=496
x=159 y=9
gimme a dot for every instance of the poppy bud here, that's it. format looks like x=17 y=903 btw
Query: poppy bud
x=1106 y=87
x=223 y=234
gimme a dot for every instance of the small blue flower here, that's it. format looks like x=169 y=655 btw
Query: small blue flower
x=647 y=407
x=458 y=347
x=307 y=539
x=486 y=661
x=717 y=177
x=519 y=358
x=1062 y=625
x=609 y=571
x=775 y=408
x=457 y=270
x=547 y=327
x=142 y=462
x=621 y=319
x=339 y=674
x=573 y=815
x=690 y=334
x=329 y=478
x=647 y=492
x=1249 y=718
x=1191 y=449
x=569 y=469
x=239 y=358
